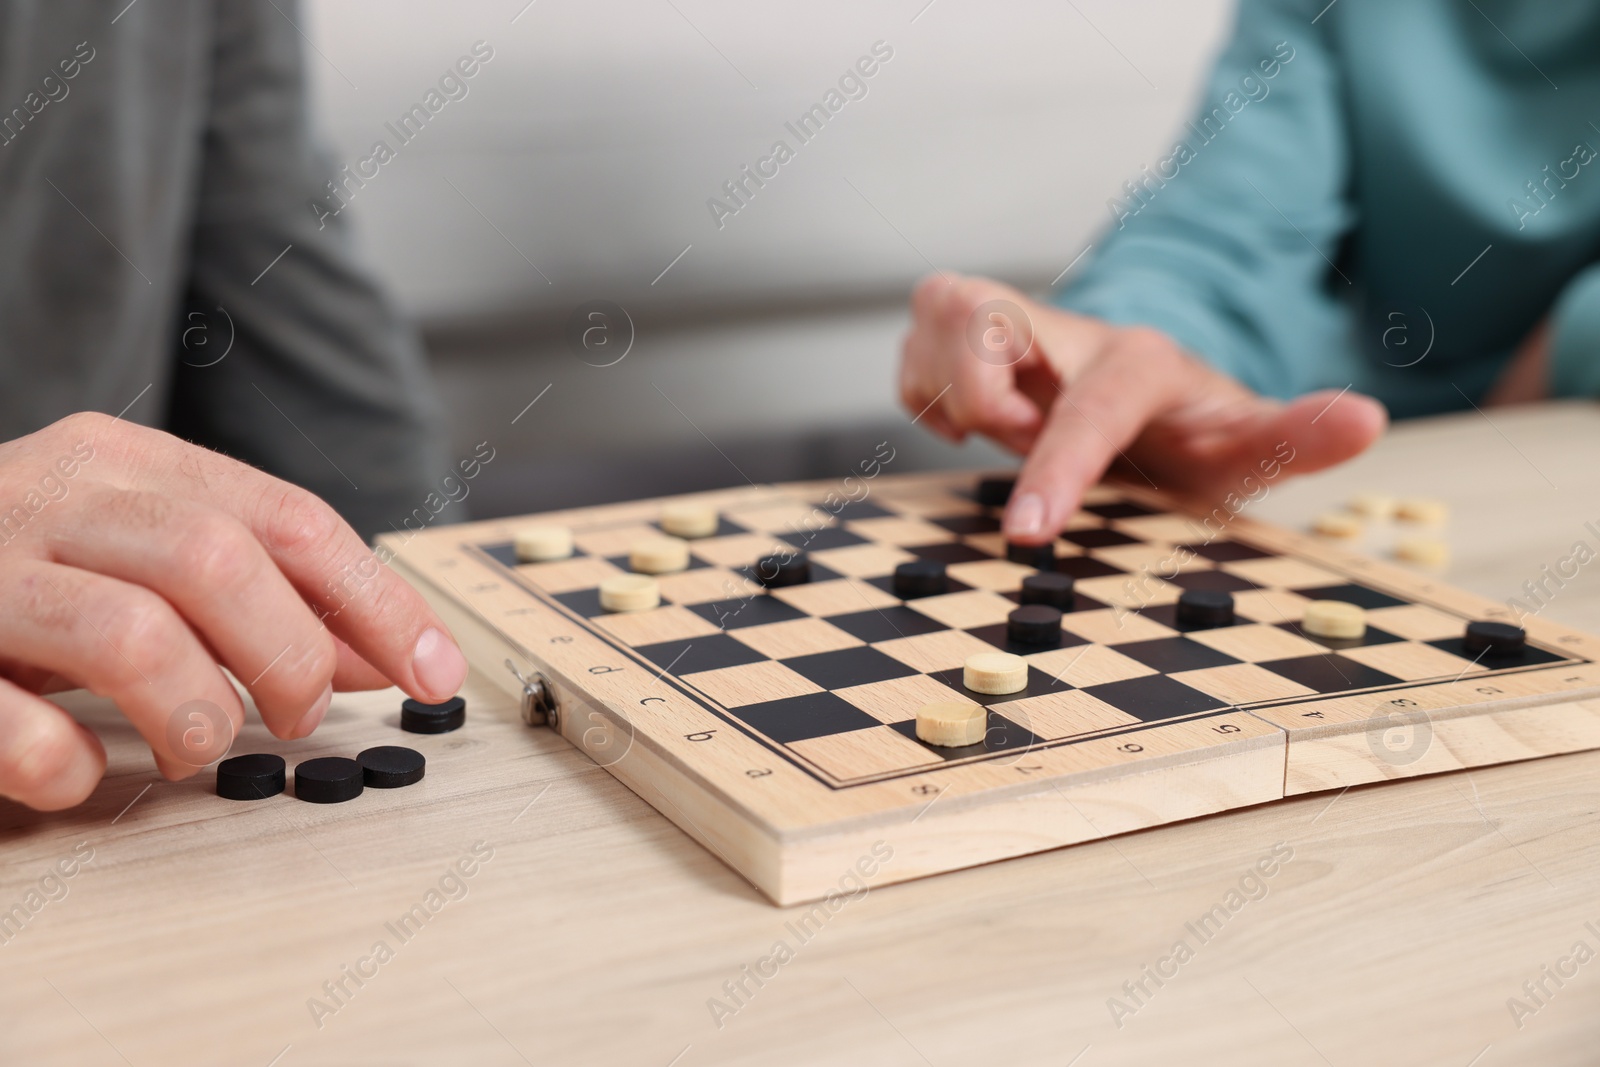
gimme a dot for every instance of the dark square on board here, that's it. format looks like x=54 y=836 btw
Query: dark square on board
x=1169 y=655
x=827 y=537
x=966 y=525
x=754 y=610
x=845 y=667
x=1167 y=615
x=1211 y=581
x=1000 y=735
x=1228 y=551
x=886 y=624
x=724 y=529
x=801 y=717
x=997 y=636
x=585 y=602
x=949 y=552
x=1330 y=673
x=1122 y=509
x=861 y=509
x=1359 y=595
x=1096 y=538
x=1154 y=697
x=1085 y=567
x=1371 y=636
x=886 y=583
x=1039 y=683
x=1529 y=656
x=708 y=652
x=695 y=564
x=503 y=553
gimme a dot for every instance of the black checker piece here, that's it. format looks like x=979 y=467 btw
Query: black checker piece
x=886 y=583
x=809 y=715
x=1330 y=673
x=1169 y=655
x=1167 y=615
x=708 y=653
x=1210 y=581
x=755 y=610
x=1122 y=509
x=1000 y=735
x=1039 y=683
x=1099 y=538
x=1079 y=602
x=1228 y=552
x=1359 y=595
x=846 y=667
x=1154 y=697
x=886 y=624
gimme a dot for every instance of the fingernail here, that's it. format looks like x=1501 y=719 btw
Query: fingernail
x=1025 y=516
x=313 y=718
x=438 y=664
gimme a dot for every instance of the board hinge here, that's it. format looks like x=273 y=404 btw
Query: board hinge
x=538 y=699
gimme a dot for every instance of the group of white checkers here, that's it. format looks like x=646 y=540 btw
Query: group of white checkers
x=957 y=723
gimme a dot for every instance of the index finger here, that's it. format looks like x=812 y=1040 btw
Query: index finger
x=380 y=616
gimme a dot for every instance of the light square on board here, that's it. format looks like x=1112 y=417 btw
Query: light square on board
x=1282 y=572
x=1067 y=713
x=939 y=651
x=738 y=550
x=666 y=623
x=965 y=610
x=840 y=596
x=1173 y=529
x=1130 y=590
x=1413 y=662
x=1255 y=642
x=896 y=699
x=1242 y=683
x=705 y=584
x=1417 y=622
x=751 y=683
x=1270 y=606
x=567 y=575
x=934 y=505
x=863 y=561
x=1086 y=665
x=860 y=753
x=1083 y=520
x=1157 y=558
x=797 y=637
x=996 y=575
x=614 y=540
x=1110 y=627
x=781 y=517
x=899 y=531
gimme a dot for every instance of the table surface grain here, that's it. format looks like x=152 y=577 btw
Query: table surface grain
x=1397 y=926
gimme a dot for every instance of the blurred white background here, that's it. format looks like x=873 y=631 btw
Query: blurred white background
x=580 y=162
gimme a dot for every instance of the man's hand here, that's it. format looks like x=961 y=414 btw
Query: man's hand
x=138 y=567
x=1079 y=396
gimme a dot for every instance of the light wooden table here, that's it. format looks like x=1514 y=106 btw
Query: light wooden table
x=597 y=932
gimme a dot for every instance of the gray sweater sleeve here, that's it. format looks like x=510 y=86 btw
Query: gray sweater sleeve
x=322 y=384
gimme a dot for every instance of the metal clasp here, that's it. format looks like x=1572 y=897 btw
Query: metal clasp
x=538 y=700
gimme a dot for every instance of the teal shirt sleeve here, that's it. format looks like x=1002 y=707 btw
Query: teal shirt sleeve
x=1226 y=240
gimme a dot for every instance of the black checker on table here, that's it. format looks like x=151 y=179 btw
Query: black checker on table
x=886 y=624
x=1095 y=538
x=707 y=653
x=1169 y=655
x=846 y=667
x=966 y=525
x=755 y=610
x=1227 y=552
x=1359 y=595
x=1528 y=657
x=949 y=552
x=1039 y=683
x=1329 y=673
x=1210 y=582
x=806 y=716
x=1000 y=735
x=1154 y=697
x=1122 y=509
x=1167 y=615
